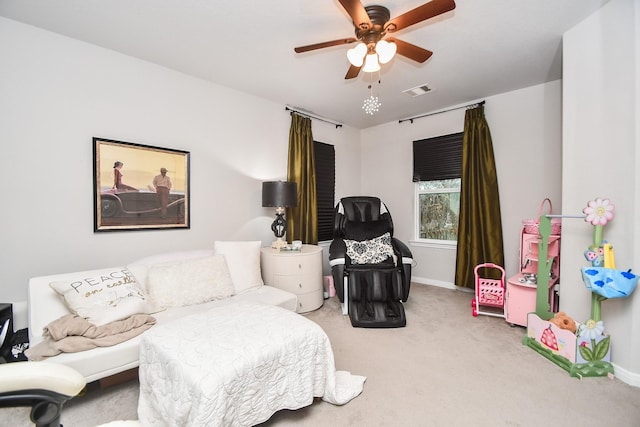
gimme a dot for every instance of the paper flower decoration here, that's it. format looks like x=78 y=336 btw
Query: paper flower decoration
x=599 y=211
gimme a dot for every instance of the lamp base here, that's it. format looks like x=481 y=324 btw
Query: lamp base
x=279 y=243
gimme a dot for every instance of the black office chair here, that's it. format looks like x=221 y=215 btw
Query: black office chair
x=43 y=386
x=371 y=269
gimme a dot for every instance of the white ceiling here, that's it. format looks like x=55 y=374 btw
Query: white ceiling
x=482 y=48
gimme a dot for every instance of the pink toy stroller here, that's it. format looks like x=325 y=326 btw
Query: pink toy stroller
x=489 y=293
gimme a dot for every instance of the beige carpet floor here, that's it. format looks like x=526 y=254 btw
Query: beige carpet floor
x=445 y=368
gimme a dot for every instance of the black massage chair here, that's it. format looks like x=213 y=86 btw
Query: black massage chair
x=371 y=269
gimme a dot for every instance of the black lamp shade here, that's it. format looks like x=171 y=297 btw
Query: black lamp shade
x=280 y=194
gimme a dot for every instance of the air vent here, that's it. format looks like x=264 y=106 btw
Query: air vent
x=417 y=91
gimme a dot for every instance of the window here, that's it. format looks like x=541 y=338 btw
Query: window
x=438 y=209
x=325 y=157
x=437 y=168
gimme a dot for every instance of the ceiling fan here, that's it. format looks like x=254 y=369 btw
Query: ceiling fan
x=372 y=24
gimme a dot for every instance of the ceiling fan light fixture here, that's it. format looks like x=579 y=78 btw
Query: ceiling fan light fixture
x=386 y=51
x=356 y=54
x=371 y=64
x=372 y=23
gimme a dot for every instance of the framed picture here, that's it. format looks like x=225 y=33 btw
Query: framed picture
x=139 y=187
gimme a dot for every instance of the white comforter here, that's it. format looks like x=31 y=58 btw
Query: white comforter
x=236 y=365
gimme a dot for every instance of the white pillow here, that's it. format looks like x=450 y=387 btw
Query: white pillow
x=189 y=282
x=140 y=267
x=243 y=259
x=103 y=297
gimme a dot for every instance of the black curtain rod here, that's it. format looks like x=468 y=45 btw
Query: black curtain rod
x=411 y=119
x=312 y=116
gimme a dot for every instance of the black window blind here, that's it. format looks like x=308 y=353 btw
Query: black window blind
x=325 y=188
x=438 y=158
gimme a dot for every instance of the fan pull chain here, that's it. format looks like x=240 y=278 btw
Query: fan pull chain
x=372 y=104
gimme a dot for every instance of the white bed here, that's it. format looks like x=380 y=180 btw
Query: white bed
x=237 y=365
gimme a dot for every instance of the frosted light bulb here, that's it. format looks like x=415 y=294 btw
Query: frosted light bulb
x=356 y=54
x=371 y=63
x=386 y=50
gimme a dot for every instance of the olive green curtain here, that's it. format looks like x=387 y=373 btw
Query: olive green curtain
x=480 y=227
x=302 y=221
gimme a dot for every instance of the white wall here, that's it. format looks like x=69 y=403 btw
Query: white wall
x=601 y=139
x=526 y=132
x=56 y=93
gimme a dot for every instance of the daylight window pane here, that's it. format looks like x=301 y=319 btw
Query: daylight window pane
x=439 y=215
x=438 y=185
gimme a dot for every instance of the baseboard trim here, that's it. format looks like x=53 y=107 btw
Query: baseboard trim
x=438 y=283
x=631 y=378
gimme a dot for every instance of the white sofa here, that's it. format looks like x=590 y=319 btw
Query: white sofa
x=46 y=305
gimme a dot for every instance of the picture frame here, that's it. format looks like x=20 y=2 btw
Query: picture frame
x=131 y=191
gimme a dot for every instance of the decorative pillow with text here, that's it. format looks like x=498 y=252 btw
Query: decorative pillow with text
x=105 y=297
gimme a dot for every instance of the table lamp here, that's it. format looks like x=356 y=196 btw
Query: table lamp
x=281 y=195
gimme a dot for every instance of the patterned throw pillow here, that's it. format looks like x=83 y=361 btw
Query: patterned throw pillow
x=371 y=251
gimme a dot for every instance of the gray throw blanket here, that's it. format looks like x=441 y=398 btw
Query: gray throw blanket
x=72 y=333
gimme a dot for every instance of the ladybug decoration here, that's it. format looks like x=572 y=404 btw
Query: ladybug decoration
x=549 y=339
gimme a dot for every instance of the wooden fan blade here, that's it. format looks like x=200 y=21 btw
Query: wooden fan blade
x=411 y=51
x=420 y=13
x=358 y=14
x=352 y=72
x=307 y=48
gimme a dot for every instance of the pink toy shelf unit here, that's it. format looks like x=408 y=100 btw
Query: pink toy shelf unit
x=522 y=288
x=490 y=293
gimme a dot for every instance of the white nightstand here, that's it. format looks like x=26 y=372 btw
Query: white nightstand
x=299 y=272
